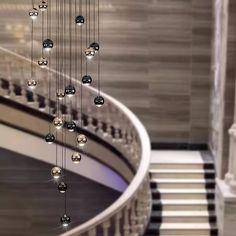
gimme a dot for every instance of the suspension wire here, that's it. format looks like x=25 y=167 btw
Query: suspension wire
x=99 y=62
x=86 y=37
x=94 y=21
x=49 y=62
x=89 y=21
x=32 y=3
x=32 y=49
x=65 y=177
x=42 y=33
x=81 y=71
x=70 y=31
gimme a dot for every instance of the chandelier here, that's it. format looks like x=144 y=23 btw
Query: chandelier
x=70 y=37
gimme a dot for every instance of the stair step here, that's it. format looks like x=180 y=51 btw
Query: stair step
x=183 y=194
x=183 y=205
x=188 y=229
x=182 y=174
x=183 y=216
x=183 y=183
x=188 y=166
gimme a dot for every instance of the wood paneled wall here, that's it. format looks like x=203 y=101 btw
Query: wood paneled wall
x=157 y=61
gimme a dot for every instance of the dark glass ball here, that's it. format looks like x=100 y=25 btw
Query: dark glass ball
x=70 y=90
x=87 y=79
x=99 y=101
x=50 y=138
x=95 y=46
x=79 y=20
x=62 y=187
x=71 y=126
x=65 y=220
x=47 y=44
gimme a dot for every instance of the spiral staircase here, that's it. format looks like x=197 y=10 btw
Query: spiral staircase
x=117 y=139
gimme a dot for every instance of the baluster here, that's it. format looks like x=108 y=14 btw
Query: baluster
x=100 y=131
x=3 y=92
x=23 y=97
x=11 y=92
x=133 y=219
x=105 y=228
x=127 y=226
x=117 y=224
x=92 y=232
x=140 y=211
x=90 y=123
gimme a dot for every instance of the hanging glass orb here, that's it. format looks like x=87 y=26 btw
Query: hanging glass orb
x=62 y=187
x=56 y=172
x=47 y=44
x=99 y=101
x=60 y=94
x=95 y=46
x=76 y=158
x=33 y=13
x=43 y=62
x=89 y=53
x=79 y=20
x=82 y=140
x=58 y=122
x=71 y=126
x=65 y=220
x=43 y=6
x=70 y=90
x=50 y=138
x=32 y=83
x=87 y=79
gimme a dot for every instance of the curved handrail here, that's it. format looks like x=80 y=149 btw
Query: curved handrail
x=142 y=170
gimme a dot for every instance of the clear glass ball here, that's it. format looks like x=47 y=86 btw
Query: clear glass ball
x=32 y=83
x=56 y=172
x=33 y=13
x=89 y=53
x=62 y=187
x=43 y=6
x=50 y=138
x=76 y=158
x=43 y=62
x=58 y=122
x=60 y=94
x=99 y=101
x=82 y=140
x=65 y=220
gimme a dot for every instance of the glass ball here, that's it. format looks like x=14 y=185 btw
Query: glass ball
x=71 y=126
x=58 y=122
x=56 y=172
x=43 y=6
x=76 y=158
x=89 y=53
x=33 y=13
x=42 y=62
x=60 y=94
x=47 y=44
x=87 y=79
x=65 y=220
x=62 y=187
x=82 y=140
x=50 y=138
x=95 y=46
x=70 y=90
x=79 y=20
x=32 y=83
x=99 y=101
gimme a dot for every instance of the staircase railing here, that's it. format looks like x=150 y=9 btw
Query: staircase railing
x=114 y=123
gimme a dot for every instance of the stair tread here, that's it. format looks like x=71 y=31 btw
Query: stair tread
x=176 y=181
x=182 y=213
x=193 y=171
x=183 y=201
x=186 y=191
